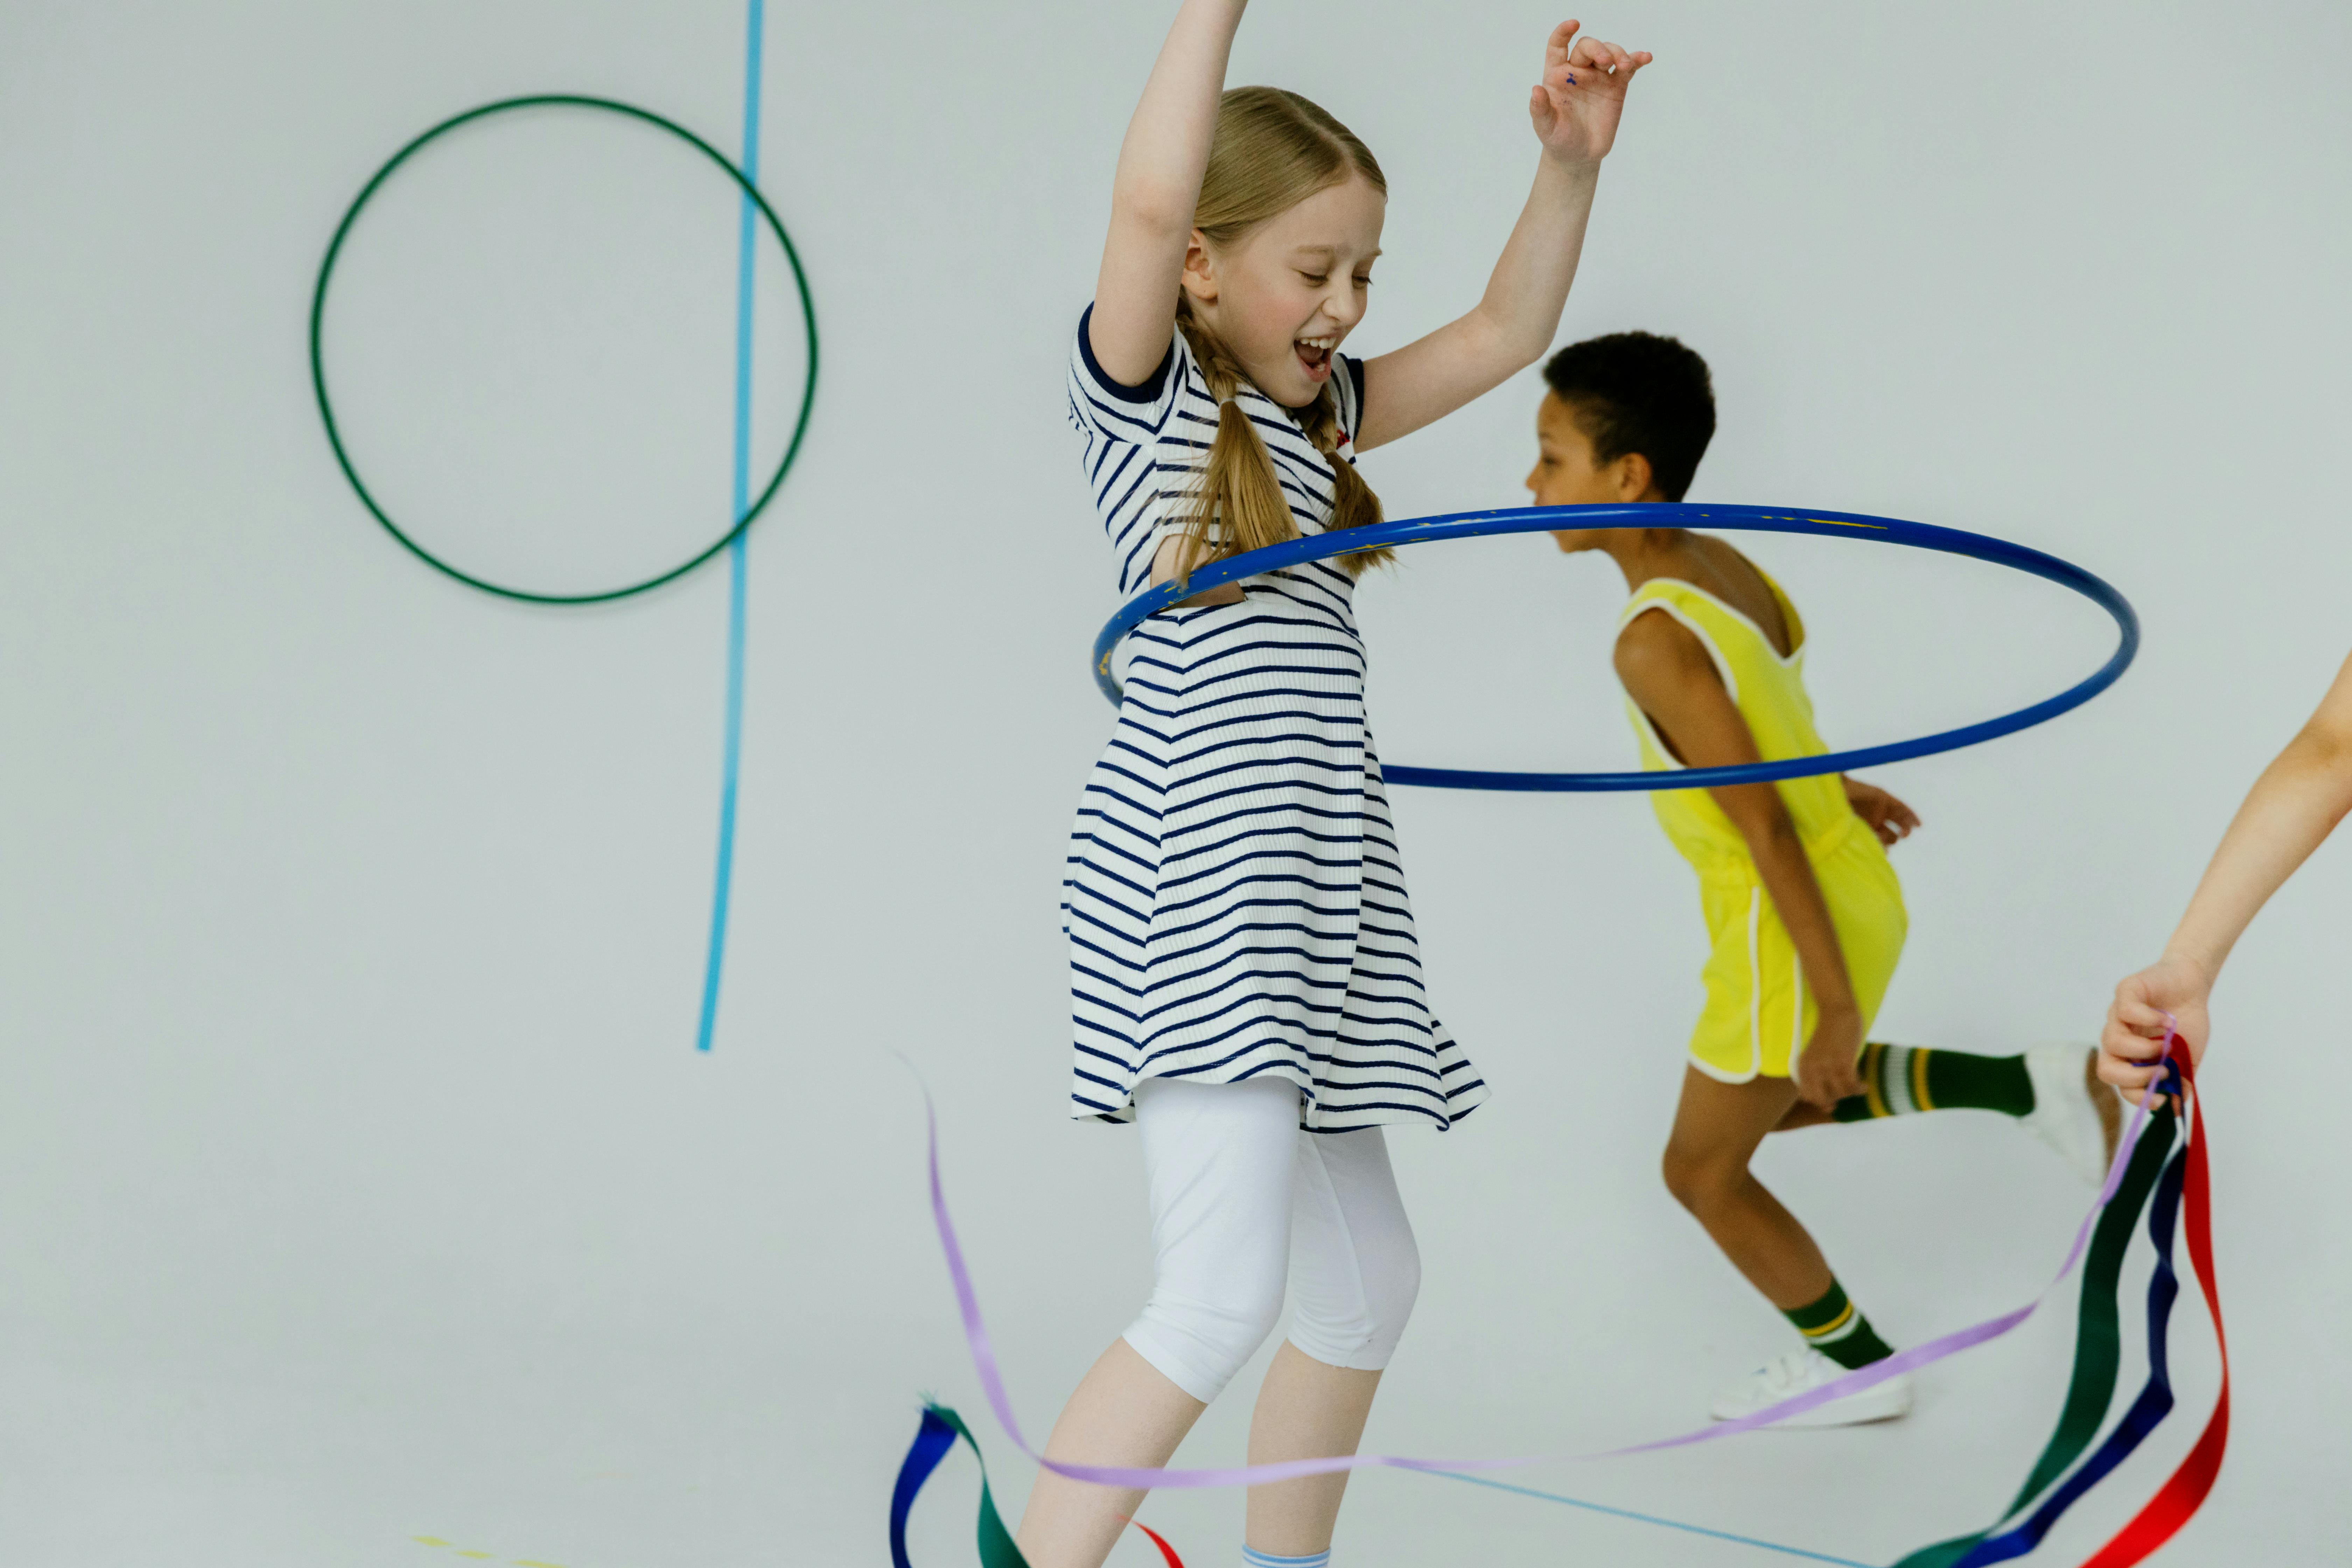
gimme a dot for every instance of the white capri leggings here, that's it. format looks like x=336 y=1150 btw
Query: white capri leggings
x=1242 y=1196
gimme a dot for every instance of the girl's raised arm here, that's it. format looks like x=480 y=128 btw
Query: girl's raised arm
x=1575 y=110
x=2291 y=810
x=1155 y=190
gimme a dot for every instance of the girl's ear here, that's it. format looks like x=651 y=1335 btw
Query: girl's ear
x=1199 y=275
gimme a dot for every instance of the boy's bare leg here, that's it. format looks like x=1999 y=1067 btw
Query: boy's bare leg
x=1716 y=1129
x=1306 y=1410
x=1804 y=1113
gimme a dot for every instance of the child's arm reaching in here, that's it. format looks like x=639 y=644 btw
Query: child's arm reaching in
x=1575 y=110
x=2292 y=808
x=1667 y=672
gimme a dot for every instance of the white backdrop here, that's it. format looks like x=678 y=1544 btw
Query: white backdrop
x=359 y=1182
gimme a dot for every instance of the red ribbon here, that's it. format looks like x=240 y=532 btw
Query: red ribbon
x=2185 y=1492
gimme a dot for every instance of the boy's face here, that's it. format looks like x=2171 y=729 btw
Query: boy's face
x=1566 y=475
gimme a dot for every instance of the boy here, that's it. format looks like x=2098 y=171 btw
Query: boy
x=1805 y=910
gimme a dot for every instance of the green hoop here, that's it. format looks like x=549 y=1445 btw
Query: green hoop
x=326 y=405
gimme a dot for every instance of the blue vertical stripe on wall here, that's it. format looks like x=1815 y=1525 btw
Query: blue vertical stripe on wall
x=722 y=886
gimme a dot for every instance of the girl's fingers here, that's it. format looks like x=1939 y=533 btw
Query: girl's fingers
x=1610 y=56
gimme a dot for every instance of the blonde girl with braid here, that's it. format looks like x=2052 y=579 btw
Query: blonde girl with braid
x=1246 y=980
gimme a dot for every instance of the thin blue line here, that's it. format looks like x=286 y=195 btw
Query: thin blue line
x=723 y=884
x=1651 y=1519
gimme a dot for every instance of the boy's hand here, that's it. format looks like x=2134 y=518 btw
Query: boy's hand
x=1576 y=106
x=1888 y=817
x=1826 y=1074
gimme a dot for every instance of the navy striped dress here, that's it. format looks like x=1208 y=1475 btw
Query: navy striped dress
x=1234 y=903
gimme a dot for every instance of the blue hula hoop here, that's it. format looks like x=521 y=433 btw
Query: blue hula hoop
x=1737 y=518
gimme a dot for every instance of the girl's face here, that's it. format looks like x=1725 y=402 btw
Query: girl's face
x=1284 y=296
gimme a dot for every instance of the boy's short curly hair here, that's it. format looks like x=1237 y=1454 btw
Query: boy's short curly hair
x=1638 y=391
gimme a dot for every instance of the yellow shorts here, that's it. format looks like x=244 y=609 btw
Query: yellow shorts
x=1759 y=1012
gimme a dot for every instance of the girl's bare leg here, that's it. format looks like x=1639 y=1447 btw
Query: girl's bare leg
x=1306 y=1410
x=1124 y=1413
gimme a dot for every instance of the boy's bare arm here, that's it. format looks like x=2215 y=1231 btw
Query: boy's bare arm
x=1667 y=671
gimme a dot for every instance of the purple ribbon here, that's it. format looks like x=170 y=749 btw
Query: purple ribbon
x=992 y=1382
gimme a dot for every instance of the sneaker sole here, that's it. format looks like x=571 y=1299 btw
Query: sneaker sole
x=1888 y=1401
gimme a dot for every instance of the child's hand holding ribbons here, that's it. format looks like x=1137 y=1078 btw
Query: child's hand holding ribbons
x=2165 y=999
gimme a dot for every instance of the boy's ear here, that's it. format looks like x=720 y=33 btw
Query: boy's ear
x=1199 y=275
x=1635 y=477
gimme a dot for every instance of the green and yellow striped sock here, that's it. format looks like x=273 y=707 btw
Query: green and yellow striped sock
x=1836 y=1327
x=1900 y=1080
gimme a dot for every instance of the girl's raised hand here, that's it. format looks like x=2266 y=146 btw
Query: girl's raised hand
x=1576 y=106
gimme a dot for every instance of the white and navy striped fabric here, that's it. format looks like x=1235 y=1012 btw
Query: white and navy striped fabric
x=1234 y=903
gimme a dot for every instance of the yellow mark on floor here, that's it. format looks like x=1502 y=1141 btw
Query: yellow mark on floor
x=484 y=1556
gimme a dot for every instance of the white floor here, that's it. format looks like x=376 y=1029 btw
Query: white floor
x=288 y=1382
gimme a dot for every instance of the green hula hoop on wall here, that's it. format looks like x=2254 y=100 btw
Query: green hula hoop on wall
x=326 y=404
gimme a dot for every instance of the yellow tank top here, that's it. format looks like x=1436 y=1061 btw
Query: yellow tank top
x=1769 y=691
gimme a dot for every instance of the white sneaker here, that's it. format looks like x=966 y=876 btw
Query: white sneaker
x=2075 y=1114
x=1787 y=1375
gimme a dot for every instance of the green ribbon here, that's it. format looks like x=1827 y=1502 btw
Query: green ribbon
x=939 y=1429
x=2098 y=1340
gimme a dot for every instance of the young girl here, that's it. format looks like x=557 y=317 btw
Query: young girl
x=1247 y=986
x=1804 y=908
x=2289 y=812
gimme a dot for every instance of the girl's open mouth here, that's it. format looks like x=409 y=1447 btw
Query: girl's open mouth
x=1315 y=355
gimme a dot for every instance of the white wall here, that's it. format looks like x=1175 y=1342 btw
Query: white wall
x=358 y=1180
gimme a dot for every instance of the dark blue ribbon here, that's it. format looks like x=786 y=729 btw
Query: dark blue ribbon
x=2148 y=1411
x=933 y=1438
x=940 y=1428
